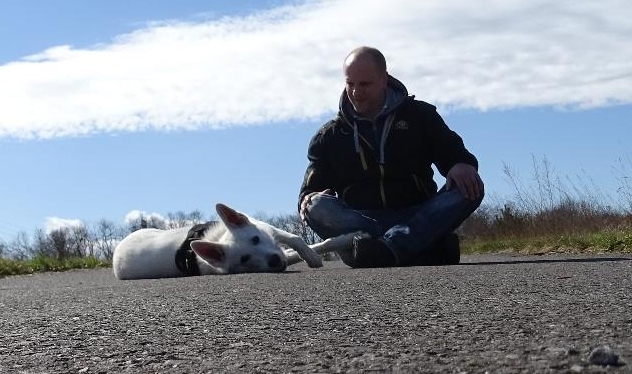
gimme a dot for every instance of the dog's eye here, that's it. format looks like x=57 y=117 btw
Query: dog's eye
x=245 y=258
x=255 y=240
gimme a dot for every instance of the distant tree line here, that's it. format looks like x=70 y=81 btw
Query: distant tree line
x=100 y=239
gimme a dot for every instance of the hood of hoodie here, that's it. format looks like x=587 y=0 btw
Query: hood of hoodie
x=396 y=94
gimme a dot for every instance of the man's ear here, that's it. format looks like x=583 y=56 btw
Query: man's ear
x=213 y=253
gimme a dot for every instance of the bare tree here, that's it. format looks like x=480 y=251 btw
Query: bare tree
x=181 y=219
x=42 y=244
x=79 y=242
x=4 y=248
x=146 y=221
x=291 y=223
x=177 y=219
x=106 y=236
x=59 y=242
x=135 y=225
x=196 y=217
x=21 y=246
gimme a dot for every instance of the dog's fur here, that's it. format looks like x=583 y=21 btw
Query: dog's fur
x=237 y=244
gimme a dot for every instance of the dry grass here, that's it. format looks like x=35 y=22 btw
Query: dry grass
x=552 y=215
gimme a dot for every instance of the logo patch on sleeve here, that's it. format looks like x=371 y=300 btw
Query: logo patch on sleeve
x=401 y=125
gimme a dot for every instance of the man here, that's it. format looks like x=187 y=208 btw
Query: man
x=370 y=170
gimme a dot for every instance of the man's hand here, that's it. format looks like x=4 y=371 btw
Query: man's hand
x=466 y=179
x=308 y=198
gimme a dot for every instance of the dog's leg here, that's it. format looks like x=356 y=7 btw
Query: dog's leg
x=300 y=249
x=336 y=243
x=291 y=256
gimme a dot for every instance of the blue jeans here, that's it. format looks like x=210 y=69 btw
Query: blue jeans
x=409 y=232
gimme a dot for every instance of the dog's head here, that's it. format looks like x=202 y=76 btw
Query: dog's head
x=244 y=248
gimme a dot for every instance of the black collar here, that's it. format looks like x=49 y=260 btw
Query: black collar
x=186 y=259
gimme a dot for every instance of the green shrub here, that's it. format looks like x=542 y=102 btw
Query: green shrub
x=42 y=263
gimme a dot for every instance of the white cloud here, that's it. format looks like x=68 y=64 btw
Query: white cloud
x=152 y=219
x=56 y=223
x=285 y=64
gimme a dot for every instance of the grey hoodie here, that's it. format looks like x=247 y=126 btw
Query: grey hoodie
x=376 y=130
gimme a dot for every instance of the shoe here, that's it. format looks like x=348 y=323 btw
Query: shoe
x=371 y=253
x=451 y=249
x=446 y=252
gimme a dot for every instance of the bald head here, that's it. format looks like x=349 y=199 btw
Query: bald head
x=366 y=54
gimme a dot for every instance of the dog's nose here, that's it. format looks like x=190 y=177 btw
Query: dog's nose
x=275 y=262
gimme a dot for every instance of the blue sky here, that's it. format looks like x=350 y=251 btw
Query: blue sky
x=160 y=106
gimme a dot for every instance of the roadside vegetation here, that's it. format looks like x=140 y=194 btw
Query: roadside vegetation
x=553 y=214
x=548 y=214
x=41 y=264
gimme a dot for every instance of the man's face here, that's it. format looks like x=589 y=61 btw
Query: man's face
x=365 y=86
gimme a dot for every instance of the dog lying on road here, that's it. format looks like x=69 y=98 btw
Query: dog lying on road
x=236 y=244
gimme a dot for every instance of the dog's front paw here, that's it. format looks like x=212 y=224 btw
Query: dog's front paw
x=313 y=260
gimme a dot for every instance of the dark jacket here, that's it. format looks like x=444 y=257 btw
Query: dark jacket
x=386 y=163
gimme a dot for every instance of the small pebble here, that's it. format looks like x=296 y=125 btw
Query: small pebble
x=604 y=356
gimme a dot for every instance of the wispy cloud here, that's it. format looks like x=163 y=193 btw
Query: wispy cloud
x=135 y=217
x=56 y=223
x=132 y=218
x=284 y=64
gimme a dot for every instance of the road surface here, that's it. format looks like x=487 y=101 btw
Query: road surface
x=493 y=313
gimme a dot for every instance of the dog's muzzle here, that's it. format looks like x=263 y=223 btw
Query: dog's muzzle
x=276 y=263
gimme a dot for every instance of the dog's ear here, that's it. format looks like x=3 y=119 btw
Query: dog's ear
x=213 y=253
x=231 y=217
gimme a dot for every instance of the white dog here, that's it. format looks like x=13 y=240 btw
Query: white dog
x=237 y=244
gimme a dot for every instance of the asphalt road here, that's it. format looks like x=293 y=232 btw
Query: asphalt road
x=496 y=314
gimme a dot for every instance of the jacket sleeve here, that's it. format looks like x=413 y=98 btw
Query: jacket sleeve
x=447 y=148
x=318 y=173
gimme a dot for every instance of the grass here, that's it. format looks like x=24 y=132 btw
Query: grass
x=552 y=214
x=619 y=241
x=42 y=264
x=569 y=227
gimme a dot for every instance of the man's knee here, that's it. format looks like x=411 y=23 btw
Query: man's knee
x=456 y=198
x=474 y=204
x=319 y=214
x=315 y=209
